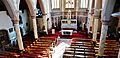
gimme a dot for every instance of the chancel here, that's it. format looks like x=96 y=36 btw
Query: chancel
x=59 y=28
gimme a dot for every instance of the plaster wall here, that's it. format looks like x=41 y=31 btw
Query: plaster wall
x=6 y=24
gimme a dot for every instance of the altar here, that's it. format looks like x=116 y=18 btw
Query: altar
x=69 y=23
x=66 y=32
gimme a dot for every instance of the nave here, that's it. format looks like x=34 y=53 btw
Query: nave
x=81 y=47
x=59 y=28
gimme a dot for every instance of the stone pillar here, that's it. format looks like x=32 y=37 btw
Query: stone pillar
x=50 y=5
x=77 y=7
x=57 y=20
x=45 y=24
x=63 y=5
x=18 y=33
x=92 y=24
x=103 y=38
x=49 y=14
x=83 y=24
x=95 y=30
x=107 y=9
x=34 y=27
x=98 y=6
x=89 y=22
x=54 y=21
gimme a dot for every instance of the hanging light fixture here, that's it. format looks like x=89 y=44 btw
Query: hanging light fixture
x=115 y=14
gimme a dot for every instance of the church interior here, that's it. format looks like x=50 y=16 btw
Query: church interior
x=59 y=28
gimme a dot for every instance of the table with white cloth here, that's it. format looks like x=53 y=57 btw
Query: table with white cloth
x=66 y=32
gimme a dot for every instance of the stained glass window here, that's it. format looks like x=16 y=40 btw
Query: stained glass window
x=55 y=4
x=69 y=4
x=83 y=3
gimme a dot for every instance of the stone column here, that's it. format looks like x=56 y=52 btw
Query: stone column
x=50 y=5
x=54 y=21
x=98 y=6
x=92 y=24
x=103 y=38
x=83 y=24
x=49 y=14
x=107 y=9
x=18 y=33
x=34 y=27
x=45 y=24
x=95 y=30
x=89 y=22
x=77 y=7
x=57 y=21
x=63 y=5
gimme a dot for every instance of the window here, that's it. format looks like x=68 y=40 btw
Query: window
x=83 y=3
x=39 y=13
x=55 y=4
x=69 y=4
x=11 y=30
x=20 y=19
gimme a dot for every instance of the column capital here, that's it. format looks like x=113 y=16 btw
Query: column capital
x=96 y=16
x=33 y=17
x=90 y=13
x=17 y=11
x=33 y=12
x=105 y=22
x=15 y=21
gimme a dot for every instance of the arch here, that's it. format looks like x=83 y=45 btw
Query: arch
x=41 y=6
x=9 y=8
x=4 y=38
x=20 y=18
x=31 y=8
x=4 y=31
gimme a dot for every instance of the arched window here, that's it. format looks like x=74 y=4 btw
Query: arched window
x=55 y=4
x=83 y=3
x=20 y=22
x=69 y=4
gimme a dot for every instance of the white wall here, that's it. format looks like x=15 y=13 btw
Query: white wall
x=5 y=21
x=6 y=24
x=24 y=20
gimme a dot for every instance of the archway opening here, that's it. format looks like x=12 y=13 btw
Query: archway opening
x=4 y=38
x=39 y=12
